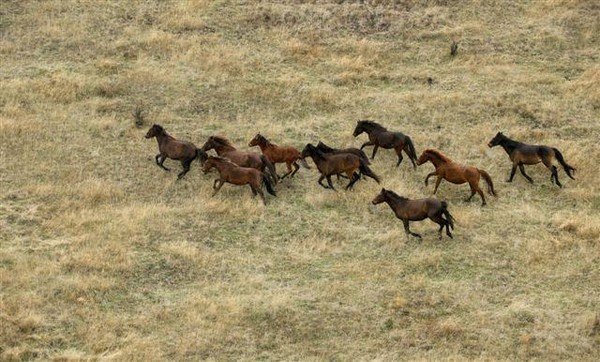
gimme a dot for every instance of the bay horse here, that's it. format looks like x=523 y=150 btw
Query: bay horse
x=456 y=173
x=523 y=154
x=379 y=136
x=333 y=164
x=169 y=147
x=231 y=173
x=224 y=148
x=279 y=154
x=417 y=210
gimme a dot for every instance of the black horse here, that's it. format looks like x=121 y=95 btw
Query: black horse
x=379 y=136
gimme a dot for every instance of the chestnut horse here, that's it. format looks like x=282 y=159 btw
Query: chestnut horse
x=456 y=173
x=333 y=164
x=523 y=154
x=417 y=210
x=174 y=149
x=231 y=173
x=279 y=154
x=241 y=158
x=379 y=136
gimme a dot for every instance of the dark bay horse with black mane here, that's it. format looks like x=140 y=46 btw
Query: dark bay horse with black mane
x=231 y=173
x=326 y=149
x=523 y=154
x=169 y=147
x=333 y=164
x=455 y=173
x=379 y=136
x=279 y=154
x=224 y=148
x=416 y=210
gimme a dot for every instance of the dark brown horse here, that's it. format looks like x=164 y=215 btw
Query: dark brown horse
x=416 y=210
x=333 y=164
x=379 y=136
x=224 y=148
x=326 y=149
x=456 y=173
x=523 y=154
x=231 y=173
x=279 y=154
x=174 y=149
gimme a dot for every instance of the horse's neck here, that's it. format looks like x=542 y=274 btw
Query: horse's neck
x=437 y=161
x=265 y=145
x=395 y=201
x=509 y=145
x=164 y=138
x=375 y=129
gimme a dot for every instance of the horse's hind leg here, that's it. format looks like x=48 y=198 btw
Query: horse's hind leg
x=221 y=182
x=186 y=168
x=296 y=168
x=438 y=219
x=289 y=168
x=555 y=175
x=355 y=177
x=476 y=189
x=522 y=169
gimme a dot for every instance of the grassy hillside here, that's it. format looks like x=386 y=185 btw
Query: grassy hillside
x=105 y=256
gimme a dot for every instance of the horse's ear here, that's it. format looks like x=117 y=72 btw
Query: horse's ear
x=383 y=189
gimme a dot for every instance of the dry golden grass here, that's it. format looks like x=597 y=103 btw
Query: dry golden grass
x=105 y=256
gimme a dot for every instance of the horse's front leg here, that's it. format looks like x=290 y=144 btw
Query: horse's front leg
x=437 y=184
x=428 y=176
x=320 y=181
x=512 y=173
x=221 y=182
x=367 y=144
x=329 y=183
x=522 y=169
x=407 y=230
x=374 y=151
x=163 y=158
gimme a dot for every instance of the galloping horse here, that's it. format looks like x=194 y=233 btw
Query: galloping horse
x=231 y=173
x=326 y=149
x=174 y=149
x=523 y=154
x=279 y=154
x=333 y=164
x=241 y=158
x=456 y=173
x=416 y=210
x=379 y=136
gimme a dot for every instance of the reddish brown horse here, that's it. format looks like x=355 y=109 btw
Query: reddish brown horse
x=379 y=136
x=334 y=164
x=241 y=158
x=523 y=154
x=174 y=149
x=231 y=173
x=416 y=210
x=279 y=154
x=456 y=173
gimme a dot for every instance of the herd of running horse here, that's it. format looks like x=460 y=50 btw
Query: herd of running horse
x=239 y=167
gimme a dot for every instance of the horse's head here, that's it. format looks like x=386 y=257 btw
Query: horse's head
x=380 y=198
x=423 y=158
x=360 y=128
x=209 y=144
x=154 y=131
x=256 y=140
x=496 y=140
x=308 y=151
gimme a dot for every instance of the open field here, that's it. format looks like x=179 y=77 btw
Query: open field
x=105 y=256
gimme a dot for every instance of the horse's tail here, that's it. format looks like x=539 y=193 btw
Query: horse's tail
x=268 y=185
x=270 y=167
x=365 y=170
x=413 y=152
x=488 y=180
x=566 y=166
x=303 y=162
x=449 y=218
x=201 y=155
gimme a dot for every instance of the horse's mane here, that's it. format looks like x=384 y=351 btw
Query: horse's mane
x=222 y=140
x=438 y=154
x=221 y=159
x=323 y=147
x=263 y=139
x=372 y=124
x=394 y=196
